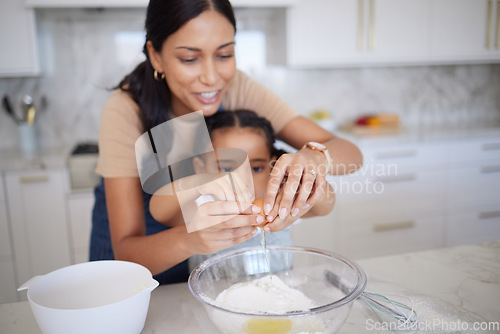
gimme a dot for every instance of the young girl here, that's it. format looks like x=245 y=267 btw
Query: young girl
x=244 y=130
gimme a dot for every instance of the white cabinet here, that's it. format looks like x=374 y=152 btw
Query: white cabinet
x=395 y=202
x=473 y=191
x=144 y=3
x=7 y=275
x=80 y=206
x=473 y=225
x=412 y=196
x=465 y=29
x=335 y=32
x=320 y=32
x=398 y=30
x=86 y=3
x=19 y=56
x=324 y=33
x=38 y=220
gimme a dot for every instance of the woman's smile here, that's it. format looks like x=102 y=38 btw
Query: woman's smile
x=209 y=97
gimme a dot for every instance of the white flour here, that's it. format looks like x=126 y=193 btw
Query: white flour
x=268 y=294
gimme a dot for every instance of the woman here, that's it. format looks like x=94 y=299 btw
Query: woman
x=191 y=66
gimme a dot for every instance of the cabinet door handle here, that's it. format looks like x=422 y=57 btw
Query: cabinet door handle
x=490 y=169
x=397 y=178
x=497 y=43
x=361 y=25
x=488 y=214
x=34 y=179
x=382 y=227
x=397 y=154
x=488 y=24
x=371 y=32
x=491 y=147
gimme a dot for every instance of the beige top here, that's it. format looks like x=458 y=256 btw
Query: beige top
x=121 y=125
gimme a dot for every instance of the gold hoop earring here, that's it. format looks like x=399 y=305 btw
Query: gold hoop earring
x=159 y=76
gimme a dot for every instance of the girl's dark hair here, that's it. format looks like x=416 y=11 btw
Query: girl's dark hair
x=163 y=18
x=242 y=118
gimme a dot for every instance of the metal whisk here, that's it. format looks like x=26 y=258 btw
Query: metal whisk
x=406 y=315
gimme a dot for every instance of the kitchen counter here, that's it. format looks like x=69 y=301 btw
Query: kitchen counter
x=57 y=157
x=409 y=134
x=453 y=290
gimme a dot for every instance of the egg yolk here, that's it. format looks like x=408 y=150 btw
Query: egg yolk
x=268 y=326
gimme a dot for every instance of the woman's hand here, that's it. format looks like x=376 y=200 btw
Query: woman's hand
x=297 y=183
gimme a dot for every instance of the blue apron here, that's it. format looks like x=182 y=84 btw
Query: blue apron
x=100 y=239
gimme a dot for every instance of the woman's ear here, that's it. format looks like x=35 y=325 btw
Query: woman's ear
x=198 y=165
x=154 y=57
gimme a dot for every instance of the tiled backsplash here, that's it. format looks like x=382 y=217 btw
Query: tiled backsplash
x=84 y=53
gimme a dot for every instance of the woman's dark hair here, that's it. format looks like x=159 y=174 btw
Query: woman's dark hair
x=163 y=18
x=242 y=118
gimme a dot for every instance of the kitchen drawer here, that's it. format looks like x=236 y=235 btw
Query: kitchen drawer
x=474 y=226
x=5 y=247
x=470 y=151
x=411 y=154
x=474 y=185
x=38 y=217
x=390 y=233
x=80 y=206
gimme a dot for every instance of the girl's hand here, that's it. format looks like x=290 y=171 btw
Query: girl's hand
x=241 y=227
x=303 y=175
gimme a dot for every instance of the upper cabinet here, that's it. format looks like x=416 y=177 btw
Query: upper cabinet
x=144 y=3
x=328 y=32
x=465 y=29
x=320 y=32
x=397 y=29
x=85 y=3
x=19 y=56
x=324 y=33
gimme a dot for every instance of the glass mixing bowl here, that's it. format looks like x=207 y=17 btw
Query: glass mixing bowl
x=304 y=269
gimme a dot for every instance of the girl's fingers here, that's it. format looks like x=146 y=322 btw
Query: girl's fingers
x=212 y=241
x=227 y=208
x=229 y=234
x=229 y=187
x=214 y=189
x=243 y=194
x=226 y=185
x=228 y=214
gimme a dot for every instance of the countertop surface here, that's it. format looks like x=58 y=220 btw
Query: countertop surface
x=454 y=290
x=57 y=157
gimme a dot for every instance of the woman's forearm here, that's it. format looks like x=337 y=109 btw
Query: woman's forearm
x=157 y=252
x=346 y=157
